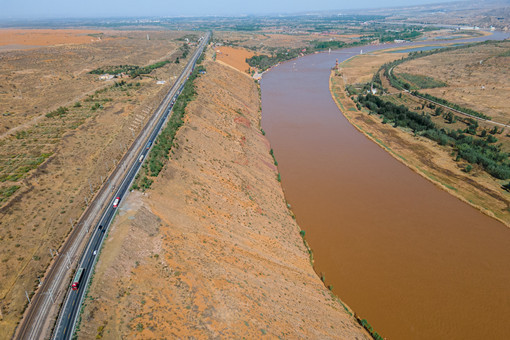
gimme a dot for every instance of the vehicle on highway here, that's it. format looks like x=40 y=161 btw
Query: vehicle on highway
x=149 y=143
x=141 y=158
x=116 y=202
x=77 y=278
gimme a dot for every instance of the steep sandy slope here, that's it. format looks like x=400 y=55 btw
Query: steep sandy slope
x=212 y=250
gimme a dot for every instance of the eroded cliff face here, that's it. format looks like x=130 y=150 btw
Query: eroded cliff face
x=212 y=250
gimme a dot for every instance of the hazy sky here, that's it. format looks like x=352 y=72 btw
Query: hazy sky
x=114 y=8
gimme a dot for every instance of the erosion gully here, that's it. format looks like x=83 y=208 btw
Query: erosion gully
x=416 y=262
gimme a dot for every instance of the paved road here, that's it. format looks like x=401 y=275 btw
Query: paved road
x=39 y=314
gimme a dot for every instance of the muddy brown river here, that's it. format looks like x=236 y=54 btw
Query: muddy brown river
x=416 y=262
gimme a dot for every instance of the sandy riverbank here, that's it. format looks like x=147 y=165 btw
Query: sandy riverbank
x=425 y=157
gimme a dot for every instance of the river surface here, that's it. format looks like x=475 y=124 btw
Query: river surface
x=416 y=262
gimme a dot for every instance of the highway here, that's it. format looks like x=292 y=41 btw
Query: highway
x=38 y=316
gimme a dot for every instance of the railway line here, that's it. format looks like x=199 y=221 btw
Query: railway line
x=39 y=316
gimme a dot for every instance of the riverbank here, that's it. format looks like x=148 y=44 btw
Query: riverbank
x=425 y=157
x=211 y=250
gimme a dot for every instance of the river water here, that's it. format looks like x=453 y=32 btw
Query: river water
x=413 y=260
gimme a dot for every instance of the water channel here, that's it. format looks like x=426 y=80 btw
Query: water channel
x=413 y=260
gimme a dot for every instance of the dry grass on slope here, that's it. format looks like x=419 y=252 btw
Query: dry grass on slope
x=211 y=250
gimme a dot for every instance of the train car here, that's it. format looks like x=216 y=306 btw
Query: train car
x=77 y=278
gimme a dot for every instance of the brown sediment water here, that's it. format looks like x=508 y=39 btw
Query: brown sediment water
x=413 y=260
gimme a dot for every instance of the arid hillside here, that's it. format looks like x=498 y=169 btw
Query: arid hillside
x=211 y=250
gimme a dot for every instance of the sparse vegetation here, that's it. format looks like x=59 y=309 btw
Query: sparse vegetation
x=132 y=70
x=164 y=143
x=60 y=112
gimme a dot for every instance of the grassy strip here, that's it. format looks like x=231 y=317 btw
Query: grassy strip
x=7 y=192
x=132 y=70
x=160 y=151
x=421 y=82
x=369 y=328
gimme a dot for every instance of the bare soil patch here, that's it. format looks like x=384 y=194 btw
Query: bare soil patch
x=235 y=57
x=46 y=37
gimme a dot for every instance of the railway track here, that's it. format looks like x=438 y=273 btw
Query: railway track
x=44 y=306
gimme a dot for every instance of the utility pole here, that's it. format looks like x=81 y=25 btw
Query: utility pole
x=69 y=264
x=51 y=297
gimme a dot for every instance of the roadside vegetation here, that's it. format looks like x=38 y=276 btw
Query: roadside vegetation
x=160 y=151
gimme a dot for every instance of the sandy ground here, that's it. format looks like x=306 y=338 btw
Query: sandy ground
x=427 y=158
x=46 y=37
x=212 y=251
x=361 y=68
x=84 y=146
x=235 y=57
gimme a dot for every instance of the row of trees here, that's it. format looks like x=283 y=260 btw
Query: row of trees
x=399 y=83
x=160 y=151
x=481 y=151
x=134 y=71
x=452 y=105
